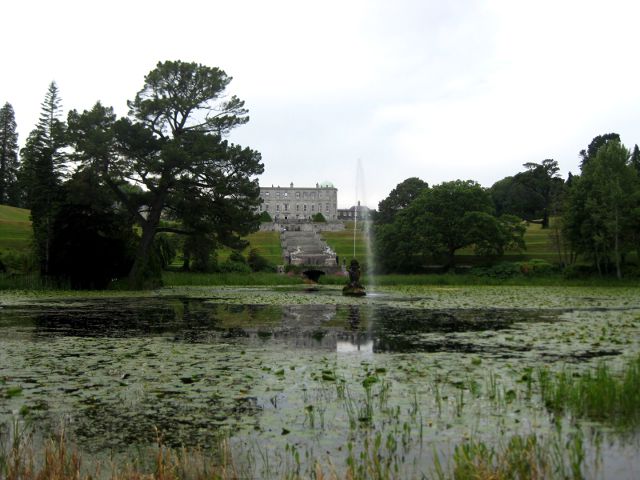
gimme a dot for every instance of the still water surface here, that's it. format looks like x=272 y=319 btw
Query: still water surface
x=118 y=372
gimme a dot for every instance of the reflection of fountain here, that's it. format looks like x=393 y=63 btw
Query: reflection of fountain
x=345 y=346
x=354 y=341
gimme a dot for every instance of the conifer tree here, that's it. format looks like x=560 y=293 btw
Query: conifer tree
x=635 y=159
x=9 y=191
x=42 y=172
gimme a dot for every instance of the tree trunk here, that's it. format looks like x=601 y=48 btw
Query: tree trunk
x=616 y=246
x=149 y=228
x=451 y=260
x=186 y=262
x=138 y=269
x=545 y=219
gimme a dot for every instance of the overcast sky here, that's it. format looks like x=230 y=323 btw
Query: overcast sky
x=437 y=89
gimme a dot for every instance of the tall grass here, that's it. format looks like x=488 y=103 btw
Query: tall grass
x=31 y=281
x=519 y=457
x=527 y=457
x=600 y=394
x=176 y=279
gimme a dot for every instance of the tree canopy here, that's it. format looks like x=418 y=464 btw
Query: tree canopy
x=172 y=150
x=597 y=142
x=400 y=197
x=9 y=163
x=442 y=220
x=602 y=217
x=533 y=195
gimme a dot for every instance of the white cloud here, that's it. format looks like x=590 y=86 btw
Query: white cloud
x=468 y=89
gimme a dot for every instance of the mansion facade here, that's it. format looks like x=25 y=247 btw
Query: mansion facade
x=300 y=203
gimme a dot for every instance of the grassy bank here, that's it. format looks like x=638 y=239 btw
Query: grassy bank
x=33 y=282
x=219 y=279
x=15 y=229
x=178 y=279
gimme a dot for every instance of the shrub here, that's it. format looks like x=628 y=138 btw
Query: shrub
x=536 y=267
x=236 y=263
x=258 y=263
x=578 y=271
x=265 y=217
x=499 y=270
x=318 y=218
x=18 y=262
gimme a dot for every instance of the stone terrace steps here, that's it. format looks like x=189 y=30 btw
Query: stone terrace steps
x=305 y=248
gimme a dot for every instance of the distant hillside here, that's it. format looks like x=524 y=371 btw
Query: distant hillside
x=15 y=228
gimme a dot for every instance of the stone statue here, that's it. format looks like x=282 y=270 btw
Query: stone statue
x=354 y=287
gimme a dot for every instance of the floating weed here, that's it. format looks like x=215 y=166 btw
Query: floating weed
x=407 y=385
x=12 y=392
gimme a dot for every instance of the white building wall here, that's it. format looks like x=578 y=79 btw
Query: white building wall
x=299 y=202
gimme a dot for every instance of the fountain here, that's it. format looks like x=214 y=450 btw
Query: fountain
x=354 y=288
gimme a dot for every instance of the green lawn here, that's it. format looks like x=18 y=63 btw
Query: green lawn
x=342 y=243
x=538 y=246
x=15 y=229
x=16 y=234
x=267 y=244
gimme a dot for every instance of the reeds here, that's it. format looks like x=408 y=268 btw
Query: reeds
x=599 y=394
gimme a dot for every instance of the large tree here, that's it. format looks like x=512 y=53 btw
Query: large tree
x=442 y=220
x=601 y=220
x=592 y=150
x=533 y=195
x=42 y=171
x=9 y=191
x=400 y=197
x=172 y=148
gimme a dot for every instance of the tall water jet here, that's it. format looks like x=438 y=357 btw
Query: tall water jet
x=354 y=287
x=361 y=201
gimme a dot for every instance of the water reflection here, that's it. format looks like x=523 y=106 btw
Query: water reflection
x=343 y=346
x=366 y=327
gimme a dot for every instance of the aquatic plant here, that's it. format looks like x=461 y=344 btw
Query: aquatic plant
x=599 y=394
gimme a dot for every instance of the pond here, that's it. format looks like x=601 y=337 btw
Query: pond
x=290 y=377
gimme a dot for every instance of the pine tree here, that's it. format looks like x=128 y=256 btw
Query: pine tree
x=635 y=159
x=42 y=172
x=9 y=191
